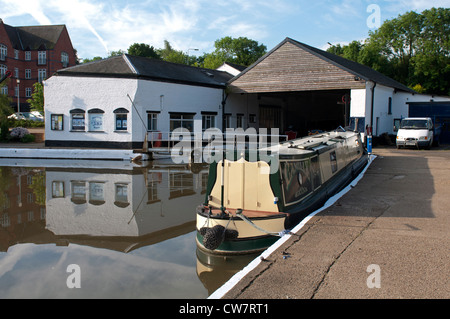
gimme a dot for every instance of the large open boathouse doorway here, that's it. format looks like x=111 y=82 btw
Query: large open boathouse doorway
x=305 y=111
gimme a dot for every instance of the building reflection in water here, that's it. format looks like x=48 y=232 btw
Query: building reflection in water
x=120 y=208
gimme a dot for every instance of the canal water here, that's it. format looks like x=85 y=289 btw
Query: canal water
x=104 y=229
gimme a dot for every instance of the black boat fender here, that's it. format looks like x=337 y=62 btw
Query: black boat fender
x=213 y=237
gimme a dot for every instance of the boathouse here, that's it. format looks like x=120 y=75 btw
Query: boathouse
x=311 y=89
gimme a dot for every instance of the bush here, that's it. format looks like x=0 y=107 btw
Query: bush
x=28 y=138
x=25 y=123
x=19 y=132
x=4 y=130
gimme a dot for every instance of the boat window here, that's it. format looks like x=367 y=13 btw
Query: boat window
x=296 y=178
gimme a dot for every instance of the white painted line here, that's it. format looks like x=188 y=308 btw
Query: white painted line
x=219 y=293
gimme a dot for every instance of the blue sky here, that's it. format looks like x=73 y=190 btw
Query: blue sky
x=99 y=26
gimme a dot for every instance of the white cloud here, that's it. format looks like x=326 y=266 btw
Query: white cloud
x=401 y=6
x=31 y=7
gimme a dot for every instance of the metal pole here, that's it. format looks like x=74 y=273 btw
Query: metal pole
x=18 y=96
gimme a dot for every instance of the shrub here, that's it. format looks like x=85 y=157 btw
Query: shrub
x=28 y=138
x=19 y=132
x=4 y=130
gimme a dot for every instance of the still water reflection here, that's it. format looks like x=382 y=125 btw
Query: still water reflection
x=130 y=229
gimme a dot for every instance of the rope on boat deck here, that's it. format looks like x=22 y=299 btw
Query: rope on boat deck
x=248 y=221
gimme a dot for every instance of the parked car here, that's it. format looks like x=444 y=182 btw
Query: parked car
x=415 y=131
x=26 y=116
x=37 y=114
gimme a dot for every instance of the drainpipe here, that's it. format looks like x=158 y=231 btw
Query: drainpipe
x=372 y=103
x=224 y=101
x=222 y=184
x=369 y=135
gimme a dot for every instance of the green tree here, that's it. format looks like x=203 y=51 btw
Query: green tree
x=37 y=98
x=5 y=102
x=413 y=49
x=116 y=53
x=5 y=111
x=242 y=51
x=144 y=50
x=169 y=54
x=432 y=60
x=96 y=58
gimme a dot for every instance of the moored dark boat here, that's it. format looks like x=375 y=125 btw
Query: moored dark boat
x=252 y=200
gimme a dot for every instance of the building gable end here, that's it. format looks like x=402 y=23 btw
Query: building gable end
x=291 y=68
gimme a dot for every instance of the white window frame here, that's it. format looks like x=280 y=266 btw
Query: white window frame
x=42 y=75
x=3 y=69
x=65 y=59
x=28 y=74
x=186 y=121
x=3 y=52
x=208 y=121
x=42 y=57
x=27 y=55
x=152 y=121
x=16 y=54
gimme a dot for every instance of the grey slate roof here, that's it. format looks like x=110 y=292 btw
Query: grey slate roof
x=128 y=66
x=34 y=37
x=364 y=72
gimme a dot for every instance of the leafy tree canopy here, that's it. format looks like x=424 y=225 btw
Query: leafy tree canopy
x=242 y=51
x=413 y=49
x=37 y=98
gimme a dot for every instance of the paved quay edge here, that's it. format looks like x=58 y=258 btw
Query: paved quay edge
x=393 y=224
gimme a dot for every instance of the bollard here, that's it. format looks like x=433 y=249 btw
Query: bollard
x=369 y=144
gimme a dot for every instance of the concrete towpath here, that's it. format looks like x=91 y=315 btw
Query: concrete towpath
x=388 y=237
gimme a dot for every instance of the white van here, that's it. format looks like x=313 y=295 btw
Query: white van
x=415 y=131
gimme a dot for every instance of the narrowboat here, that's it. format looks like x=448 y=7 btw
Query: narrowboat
x=251 y=200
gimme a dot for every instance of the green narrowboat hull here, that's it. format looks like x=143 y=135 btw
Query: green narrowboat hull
x=256 y=209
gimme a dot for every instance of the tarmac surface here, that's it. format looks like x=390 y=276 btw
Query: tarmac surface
x=387 y=238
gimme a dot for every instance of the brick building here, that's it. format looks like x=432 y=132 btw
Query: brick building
x=32 y=54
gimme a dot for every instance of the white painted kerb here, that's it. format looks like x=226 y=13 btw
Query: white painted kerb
x=74 y=154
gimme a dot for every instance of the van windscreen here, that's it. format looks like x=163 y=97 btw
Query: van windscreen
x=413 y=124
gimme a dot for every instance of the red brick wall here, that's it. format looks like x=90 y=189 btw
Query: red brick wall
x=53 y=64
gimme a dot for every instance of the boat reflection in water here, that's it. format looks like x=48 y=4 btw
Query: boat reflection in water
x=130 y=228
x=214 y=270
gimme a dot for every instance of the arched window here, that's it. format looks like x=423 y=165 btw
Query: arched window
x=77 y=119
x=96 y=120
x=121 y=117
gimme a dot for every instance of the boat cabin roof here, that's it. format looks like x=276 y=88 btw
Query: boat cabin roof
x=310 y=145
